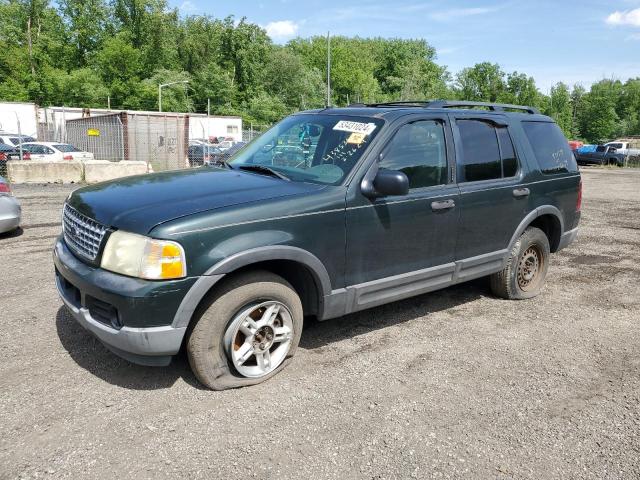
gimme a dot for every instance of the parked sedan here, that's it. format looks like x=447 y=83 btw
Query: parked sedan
x=201 y=154
x=9 y=152
x=54 y=151
x=225 y=155
x=10 y=210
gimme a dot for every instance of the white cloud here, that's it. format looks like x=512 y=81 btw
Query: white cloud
x=456 y=13
x=627 y=17
x=282 y=29
x=187 y=6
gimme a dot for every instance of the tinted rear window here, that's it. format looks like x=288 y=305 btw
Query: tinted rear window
x=550 y=148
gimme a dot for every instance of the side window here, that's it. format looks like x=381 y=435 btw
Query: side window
x=509 y=160
x=419 y=151
x=550 y=148
x=487 y=152
x=37 y=149
x=480 y=158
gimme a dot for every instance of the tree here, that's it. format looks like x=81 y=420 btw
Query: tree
x=576 y=106
x=484 y=82
x=598 y=120
x=520 y=89
x=86 y=20
x=561 y=108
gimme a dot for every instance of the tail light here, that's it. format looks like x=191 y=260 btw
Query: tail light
x=68 y=157
x=3 y=156
x=579 y=200
x=207 y=157
x=26 y=155
x=4 y=188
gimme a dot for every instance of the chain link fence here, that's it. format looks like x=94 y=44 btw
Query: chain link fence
x=254 y=131
x=158 y=139
x=632 y=161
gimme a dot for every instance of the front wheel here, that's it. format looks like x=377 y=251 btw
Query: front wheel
x=247 y=332
x=524 y=275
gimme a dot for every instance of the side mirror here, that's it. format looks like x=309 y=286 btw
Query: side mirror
x=386 y=183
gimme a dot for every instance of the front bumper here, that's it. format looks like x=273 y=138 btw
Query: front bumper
x=10 y=212
x=85 y=290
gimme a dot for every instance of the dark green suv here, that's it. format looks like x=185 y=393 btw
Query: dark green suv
x=330 y=212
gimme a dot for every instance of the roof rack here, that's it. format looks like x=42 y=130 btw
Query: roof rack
x=495 y=107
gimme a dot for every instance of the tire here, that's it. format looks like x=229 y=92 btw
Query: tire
x=217 y=336
x=524 y=275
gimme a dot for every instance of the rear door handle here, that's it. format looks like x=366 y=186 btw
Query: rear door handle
x=521 y=192
x=443 y=205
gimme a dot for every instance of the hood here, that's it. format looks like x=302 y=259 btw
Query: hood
x=137 y=204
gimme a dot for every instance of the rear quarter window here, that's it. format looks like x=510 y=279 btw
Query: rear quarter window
x=551 y=149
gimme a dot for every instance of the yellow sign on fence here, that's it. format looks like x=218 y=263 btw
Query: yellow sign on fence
x=93 y=132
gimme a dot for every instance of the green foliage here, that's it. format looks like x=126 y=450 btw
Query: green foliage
x=597 y=118
x=81 y=52
x=560 y=108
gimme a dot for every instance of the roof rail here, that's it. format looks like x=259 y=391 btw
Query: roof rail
x=495 y=107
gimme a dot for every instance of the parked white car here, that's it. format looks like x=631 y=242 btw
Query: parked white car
x=54 y=151
x=13 y=139
x=625 y=148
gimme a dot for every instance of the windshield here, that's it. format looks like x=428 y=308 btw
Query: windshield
x=65 y=148
x=315 y=148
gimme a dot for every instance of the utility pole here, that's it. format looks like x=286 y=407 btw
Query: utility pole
x=208 y=121
x=19 y=135
x=109 y=102
x=161 y=86
x=328 y=69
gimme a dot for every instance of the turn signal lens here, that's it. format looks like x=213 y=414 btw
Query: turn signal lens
x=143 y=257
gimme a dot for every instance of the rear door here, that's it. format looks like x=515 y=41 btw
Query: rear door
x=38 y=152
x=492 y=201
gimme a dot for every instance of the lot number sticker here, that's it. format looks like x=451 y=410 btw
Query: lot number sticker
x=355 y=127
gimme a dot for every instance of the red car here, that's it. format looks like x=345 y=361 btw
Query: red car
x=575 y=144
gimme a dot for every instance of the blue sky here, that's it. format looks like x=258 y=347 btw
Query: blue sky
x=571 y=41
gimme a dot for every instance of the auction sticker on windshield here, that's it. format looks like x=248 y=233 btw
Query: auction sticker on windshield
x=355 y=127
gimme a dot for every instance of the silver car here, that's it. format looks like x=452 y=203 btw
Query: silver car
x=9 y=208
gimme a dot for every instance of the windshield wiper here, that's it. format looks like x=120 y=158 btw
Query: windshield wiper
x=264 y=169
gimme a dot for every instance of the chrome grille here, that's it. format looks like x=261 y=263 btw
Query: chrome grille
x=82 y=234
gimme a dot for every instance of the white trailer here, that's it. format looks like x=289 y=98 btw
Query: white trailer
x=203 y=126
x=19 y=117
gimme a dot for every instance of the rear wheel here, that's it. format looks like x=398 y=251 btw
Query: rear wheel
x=526 y=269
x=247 y=332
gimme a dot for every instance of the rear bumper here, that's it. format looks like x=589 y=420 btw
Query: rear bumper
x=10 y=213
x=79 y=285
x=567 y=238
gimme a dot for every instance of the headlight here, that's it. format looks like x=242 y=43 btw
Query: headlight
x=143 y=257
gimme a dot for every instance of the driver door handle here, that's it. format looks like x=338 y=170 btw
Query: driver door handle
x=521 y=192
x=442 y=205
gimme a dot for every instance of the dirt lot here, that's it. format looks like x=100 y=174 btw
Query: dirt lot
x=451 y=384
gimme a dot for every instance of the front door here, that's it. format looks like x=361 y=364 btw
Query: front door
x=403 y=245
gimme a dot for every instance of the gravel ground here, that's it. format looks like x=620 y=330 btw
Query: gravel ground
x=450 y=384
